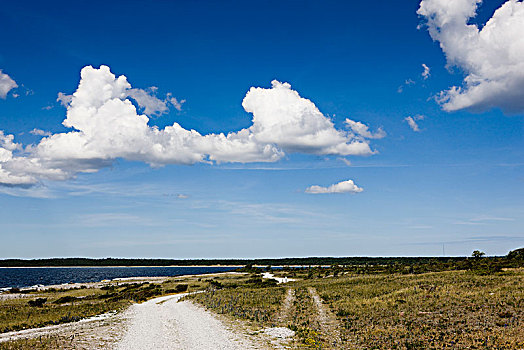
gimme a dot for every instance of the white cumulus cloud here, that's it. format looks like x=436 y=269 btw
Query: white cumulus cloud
x=6 y=84
x=491 y=57
x=282 y=117
x=105 y=125
x=347 y=186
x=7 y=147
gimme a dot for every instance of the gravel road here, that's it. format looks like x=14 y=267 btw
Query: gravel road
x=166 y=323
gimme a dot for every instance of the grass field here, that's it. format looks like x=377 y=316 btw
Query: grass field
x=442 y=310
x=60 y=306
x=50 y=342
x=327 y=308
x=432 y=311
x=34 y=309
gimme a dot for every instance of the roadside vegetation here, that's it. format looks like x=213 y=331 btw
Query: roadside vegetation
x=48 y=342
x=31 y=308
x=453 y=309
x=248 y=302
x=475 y=303
x=390 y=307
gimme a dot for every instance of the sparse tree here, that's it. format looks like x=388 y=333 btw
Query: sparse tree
x=477 y=254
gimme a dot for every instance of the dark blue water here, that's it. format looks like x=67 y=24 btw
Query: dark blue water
x=26 y=277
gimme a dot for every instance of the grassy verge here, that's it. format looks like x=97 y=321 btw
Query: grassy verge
x=435 y=310
x=438 y=310
x=249 y=298
x=260 y=302
x=34 y=309
x=39 y=309
x=49 y=342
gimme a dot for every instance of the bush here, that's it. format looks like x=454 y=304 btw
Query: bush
x=259 y=282
x=66 y=299
x=517 y=254
x=215 y=284
x=38 y=302
x=69 y=318
x=181 y=288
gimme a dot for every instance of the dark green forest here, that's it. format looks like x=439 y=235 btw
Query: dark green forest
x=411 y=264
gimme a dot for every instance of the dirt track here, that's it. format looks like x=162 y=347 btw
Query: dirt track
x=165 y=323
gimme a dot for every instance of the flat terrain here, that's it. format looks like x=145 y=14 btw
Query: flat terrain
x=53 y=324
x=328 y=308
x=437 y=310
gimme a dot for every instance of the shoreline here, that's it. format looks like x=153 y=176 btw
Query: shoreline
x=70 y=284
x=97 y=284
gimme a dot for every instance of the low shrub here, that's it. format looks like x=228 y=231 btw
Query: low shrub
x=181 y=288
x=38 y=302
x=65 y=299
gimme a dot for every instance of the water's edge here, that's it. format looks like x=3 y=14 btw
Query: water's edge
x=32 y=276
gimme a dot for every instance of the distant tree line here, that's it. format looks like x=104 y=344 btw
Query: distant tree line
x=53 y=262
x=515 y=258
x=477 y=263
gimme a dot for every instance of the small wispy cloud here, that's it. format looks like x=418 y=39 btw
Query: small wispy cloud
x=491 y=218
x=176 y=195
x=471 y=223
x=113 y=219
x=345 y=161
x=412 y=122
x=483 y=220
x=426 y=73
x=362 y=129
x=264 y=213
x=421 y=227
x=347 y=186
x=38 y=191
x=64 y=99
x=473 y=239
x=174 y=101
x=407 y=83
x=81 y=187
x=38 y=132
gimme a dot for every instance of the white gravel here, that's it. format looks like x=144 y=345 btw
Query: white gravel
x=279 y=332
x=279 y=279
x=165 y=323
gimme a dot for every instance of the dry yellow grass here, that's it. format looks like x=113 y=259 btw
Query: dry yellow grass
x=441 y=310
x=432 y=311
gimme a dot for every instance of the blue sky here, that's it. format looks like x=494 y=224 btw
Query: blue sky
x=452 y=180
